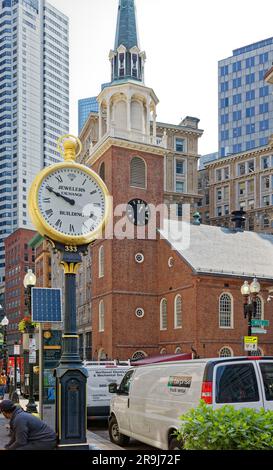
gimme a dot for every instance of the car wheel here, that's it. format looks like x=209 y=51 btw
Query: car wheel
x=174 y=444
x=115 y=435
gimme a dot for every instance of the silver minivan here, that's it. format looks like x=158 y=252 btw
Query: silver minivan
x=150 y=399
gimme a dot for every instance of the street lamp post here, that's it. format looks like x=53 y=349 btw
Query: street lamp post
x=4 y=323
x=250 y=292
x=29 y=282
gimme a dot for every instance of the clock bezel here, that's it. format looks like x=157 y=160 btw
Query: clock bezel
x=42 y=225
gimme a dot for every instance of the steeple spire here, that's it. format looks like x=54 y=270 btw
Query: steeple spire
x=126 y=32
x=127 y=61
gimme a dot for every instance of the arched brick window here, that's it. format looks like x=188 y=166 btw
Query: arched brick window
x=178 y=311
x=101 y=261
x=101 y=316
x=138 y=173
x=225 y=311
x=163 y=315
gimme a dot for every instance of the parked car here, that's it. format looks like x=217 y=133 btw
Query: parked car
x=100 y=375
x=151 y=398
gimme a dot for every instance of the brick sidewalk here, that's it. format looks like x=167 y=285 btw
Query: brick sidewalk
x=95 y=442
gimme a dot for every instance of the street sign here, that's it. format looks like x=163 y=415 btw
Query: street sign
x=32 y=356
x=258 y=331
x=16 y=350
x=259 y=322
x=251 y=343
x=46 y=305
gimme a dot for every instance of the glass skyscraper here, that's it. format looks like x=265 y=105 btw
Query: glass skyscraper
x=34 y=102
x=85 y=107
x=245 y=102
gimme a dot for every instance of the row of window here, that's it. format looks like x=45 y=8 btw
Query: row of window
x=237 y=148
x=249 y=96
x=226 y=310
x=237 y=82
x=248 y=62
x=249 y=129
x=249 y=112
x=244 y=168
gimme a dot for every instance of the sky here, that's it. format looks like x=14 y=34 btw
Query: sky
x=183 y=41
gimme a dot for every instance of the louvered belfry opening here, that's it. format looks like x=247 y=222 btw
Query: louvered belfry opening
x=138 y=173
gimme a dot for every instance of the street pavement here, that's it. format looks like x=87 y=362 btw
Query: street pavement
x=95 y=441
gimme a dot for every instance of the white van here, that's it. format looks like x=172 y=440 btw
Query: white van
x=150 y=399
x=100 y=375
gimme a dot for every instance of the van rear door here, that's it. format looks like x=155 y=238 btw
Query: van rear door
x=238 y=384
x=266 y=374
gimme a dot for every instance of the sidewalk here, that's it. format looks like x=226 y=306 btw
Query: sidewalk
x=95 y=442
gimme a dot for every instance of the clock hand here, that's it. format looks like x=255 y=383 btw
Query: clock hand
x=51 y=190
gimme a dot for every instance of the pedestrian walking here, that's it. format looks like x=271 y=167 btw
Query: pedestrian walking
x=27 y=431
x=3 y=383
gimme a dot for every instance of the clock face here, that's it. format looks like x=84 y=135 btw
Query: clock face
x=138 y=212
x=71 y=201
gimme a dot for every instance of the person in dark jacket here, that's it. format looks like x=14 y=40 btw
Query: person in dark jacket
x=27 y=431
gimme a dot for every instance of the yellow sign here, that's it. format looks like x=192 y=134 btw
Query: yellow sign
x=251 y=339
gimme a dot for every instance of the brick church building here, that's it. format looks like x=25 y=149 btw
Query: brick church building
x=156 y=295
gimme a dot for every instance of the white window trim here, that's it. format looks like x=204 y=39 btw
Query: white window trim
x=232 y=312
x=180 y=178
x=175 y=313
x=101 y=327
x=185 y=142
x=101 y=266
x=161 y=313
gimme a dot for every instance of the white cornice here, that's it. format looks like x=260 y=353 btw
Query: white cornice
x=116 y=142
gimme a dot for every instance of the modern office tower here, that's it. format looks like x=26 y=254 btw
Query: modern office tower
x=34 y=102
x=85 y=107
x=245 y=103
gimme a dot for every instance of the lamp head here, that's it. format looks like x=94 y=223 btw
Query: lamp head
x=245 y=289
x=255 y=286
x=29 y=279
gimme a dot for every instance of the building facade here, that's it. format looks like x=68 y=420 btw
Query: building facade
x=34 y=102
x=19 y=258
x=245 y=104
x=239 y=182
x=85 y=107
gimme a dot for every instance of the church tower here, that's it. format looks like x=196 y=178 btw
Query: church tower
x=130 y=159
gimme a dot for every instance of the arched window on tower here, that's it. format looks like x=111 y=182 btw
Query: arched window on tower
x=134 y=65
x=121 y=64
x=178 y=312
x=138 y=173
x=101 y=261
x=163 y=314
x=102 y=171
x=101 y=316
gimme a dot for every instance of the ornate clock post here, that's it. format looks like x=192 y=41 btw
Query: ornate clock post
x=69 y=205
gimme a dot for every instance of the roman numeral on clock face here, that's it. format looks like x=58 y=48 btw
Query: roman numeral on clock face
x=46 y=200
x=59 y=178
x=49 y=212
x=71 y=228
x=58 y=223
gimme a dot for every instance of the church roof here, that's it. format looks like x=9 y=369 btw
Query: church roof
x=215 y=250
x=126 y=32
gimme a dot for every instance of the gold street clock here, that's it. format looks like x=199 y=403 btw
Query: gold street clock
x=68 y=202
